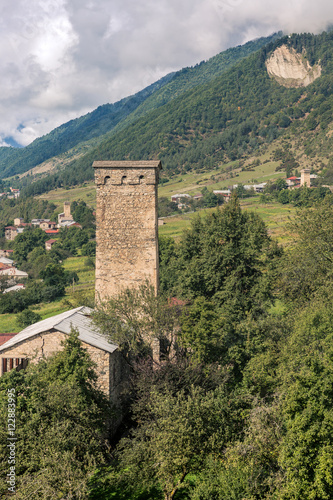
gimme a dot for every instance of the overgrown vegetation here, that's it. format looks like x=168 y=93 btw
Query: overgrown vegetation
x=238 y=406
x=60 y=425
x=259 y=376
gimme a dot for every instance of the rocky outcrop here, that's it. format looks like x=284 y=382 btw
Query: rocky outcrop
x=290 y=68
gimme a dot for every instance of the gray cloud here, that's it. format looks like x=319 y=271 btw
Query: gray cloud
x=61 y=58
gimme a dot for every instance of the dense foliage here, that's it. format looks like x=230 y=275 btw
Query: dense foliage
x=238 y=405
x=245 y=411
x=60 y=425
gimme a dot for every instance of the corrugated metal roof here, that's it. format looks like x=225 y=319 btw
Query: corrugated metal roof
x=63 y=322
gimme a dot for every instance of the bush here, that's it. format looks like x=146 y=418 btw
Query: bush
x=27 y=317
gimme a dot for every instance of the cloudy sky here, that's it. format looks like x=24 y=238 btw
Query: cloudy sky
x=60 y=59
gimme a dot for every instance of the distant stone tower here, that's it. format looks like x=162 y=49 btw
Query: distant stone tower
x=66 y=214
x=67 y=209
x=126 y=233
x=305 y=177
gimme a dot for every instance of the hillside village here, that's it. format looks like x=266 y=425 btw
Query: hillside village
x=65 y=219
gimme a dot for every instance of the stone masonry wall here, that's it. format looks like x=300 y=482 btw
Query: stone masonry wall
x=127 y=224
x=47 y=343
x=305 y=177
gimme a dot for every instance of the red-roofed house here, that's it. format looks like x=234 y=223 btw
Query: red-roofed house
x=293 y=181
x=52 y=231
x=6 y=336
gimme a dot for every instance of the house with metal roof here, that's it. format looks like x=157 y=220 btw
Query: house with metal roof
x=42 y=339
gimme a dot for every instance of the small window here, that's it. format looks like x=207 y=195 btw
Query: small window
x=140 y=178
x=106 y=179
x=10 y=363
x=123 y=179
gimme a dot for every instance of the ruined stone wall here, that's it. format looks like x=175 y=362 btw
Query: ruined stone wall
x=127 y=224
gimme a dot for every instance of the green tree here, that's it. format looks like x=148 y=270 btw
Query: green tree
x=27 y=241
x=222 y=257
x=89 y=248
x=308 y=265
x=176 y=432
x=27 y=317
x=135 y=318
x=83 y=214
x=60 y=425
x=167 y=263
x=307 y=446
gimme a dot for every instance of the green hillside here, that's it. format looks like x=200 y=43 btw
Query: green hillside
x=90 y=128
x=233 y=116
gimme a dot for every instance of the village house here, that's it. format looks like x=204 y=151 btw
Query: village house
x=69 y=223
x=15 y=193
x=11 y=233
x=44 y=338
x=305 y=179
x=37 y=222
x=47 y=224
x=49 y=244
x=15 y=288
x=18 y=221
x=293 y=181
x=6 y=253
x=50 y=232
x=12 y=272
x=177 y=198
x=5 y=260
x=225 y=193
x=6 y=336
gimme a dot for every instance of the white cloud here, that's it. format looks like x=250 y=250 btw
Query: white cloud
x=61 y=58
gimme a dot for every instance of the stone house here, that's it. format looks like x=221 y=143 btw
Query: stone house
x=10 y=233
x=6 y=253
x=42 y=339
x=49 y=244
x=176 y=198
x=5 y=260
x=12 y=272
x=47 y=224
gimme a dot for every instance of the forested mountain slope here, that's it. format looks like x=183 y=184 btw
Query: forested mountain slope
x=112 y=117
x=228 y=118
x=90 y=126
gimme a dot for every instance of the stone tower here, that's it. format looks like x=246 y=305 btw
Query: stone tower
x=67 y=209
x=305 y=177
x=126 y=233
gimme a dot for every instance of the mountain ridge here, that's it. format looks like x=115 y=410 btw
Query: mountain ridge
x=229 y=117
x=110 y=118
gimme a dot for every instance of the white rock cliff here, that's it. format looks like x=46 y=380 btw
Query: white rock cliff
x=290 y=68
